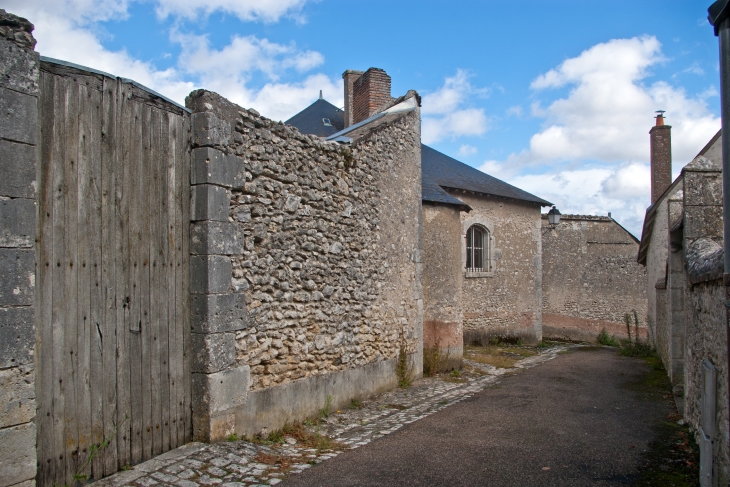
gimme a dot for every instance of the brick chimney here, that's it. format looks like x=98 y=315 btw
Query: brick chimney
x=349 y=76
x=661 y=157
x=369 y=92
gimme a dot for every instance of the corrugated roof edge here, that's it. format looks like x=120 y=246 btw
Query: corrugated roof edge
x=103 y=73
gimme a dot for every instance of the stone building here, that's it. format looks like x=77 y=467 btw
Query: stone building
x=481 y=236
x=591 y=279
x=682 y=249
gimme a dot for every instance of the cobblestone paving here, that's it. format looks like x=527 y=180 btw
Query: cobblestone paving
x=241 y=463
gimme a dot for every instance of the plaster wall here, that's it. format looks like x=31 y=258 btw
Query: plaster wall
x=591 y=279
x=443 y=280
x=505 y=302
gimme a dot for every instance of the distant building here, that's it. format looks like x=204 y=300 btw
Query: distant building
x=591 y=279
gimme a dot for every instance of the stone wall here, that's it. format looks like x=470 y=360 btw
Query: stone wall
x=443 y=280
x=316 y=246
x=706 y=327
x=590 y=279
x=504 y=302
x=19 y=74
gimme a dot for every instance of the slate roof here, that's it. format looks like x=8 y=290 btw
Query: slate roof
x=447 y=172
x=438 y=171
x=309 y=120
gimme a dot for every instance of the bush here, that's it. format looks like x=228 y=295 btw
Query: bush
x=609 y=340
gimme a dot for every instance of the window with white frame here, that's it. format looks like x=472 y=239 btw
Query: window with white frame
x=477 y=249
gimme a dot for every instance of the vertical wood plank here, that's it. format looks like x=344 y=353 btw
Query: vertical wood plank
x=146 y=331
x=44 y=296
x=158 y=317
x=70 y=280
x=184 y=278
x=94 y=264
x=82 y=276
x=124 y=194
x=58 y=288
x=135 y=270
x=109 y=251
x=161 y=290
x=172 y=194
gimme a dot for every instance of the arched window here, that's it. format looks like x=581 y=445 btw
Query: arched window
x=477 y=249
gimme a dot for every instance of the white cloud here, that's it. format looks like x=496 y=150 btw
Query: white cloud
x=621 y=190
x=467 y=150
x=262 y=10
x=66 y=30
x=605 y=116
x=515 y=111
x=444 y=114
x=605 y=119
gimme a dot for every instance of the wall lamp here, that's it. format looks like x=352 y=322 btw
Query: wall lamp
x=553 y=217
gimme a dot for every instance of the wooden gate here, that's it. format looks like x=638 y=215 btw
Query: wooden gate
x=112 y=314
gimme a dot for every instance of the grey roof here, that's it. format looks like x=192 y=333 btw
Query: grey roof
x=310 y=120
x=447 y=172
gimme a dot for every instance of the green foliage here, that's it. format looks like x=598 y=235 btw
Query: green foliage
x=637 y=349
x=355 y=404
x=403 y=366
x=456 y=373
x=609 y=340
x=434 y=360
x=94 y=450
x=327 y=409
x=233 y=437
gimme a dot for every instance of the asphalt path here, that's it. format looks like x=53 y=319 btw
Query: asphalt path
x=582 y=419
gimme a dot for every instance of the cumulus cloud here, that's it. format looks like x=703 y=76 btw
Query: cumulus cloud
x=66 y=29
x=446 y=113
x=604 y=121
x=467 y=150
x=249 y=10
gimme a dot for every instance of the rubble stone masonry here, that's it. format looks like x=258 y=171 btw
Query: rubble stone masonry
x=316 y=246
x=504 y=302
x=590 y=279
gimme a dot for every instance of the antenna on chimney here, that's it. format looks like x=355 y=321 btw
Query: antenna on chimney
x=320 y=94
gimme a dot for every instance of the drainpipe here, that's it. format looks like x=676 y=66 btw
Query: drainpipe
x=719 y=17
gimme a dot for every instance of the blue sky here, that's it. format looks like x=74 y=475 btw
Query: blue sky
x=556 y=97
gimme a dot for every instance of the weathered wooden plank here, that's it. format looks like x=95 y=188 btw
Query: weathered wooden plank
x=82 y=77
x=162 y=265
x=58 y=319
x=82 y=276
x=158 y=319
x=183 y=294
x=44 y=292
x=169 y=404
x=136 y=260
x=122 y=160
x=94 y=228
x=70 y=266
x=146 y=332
x=108 y=286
